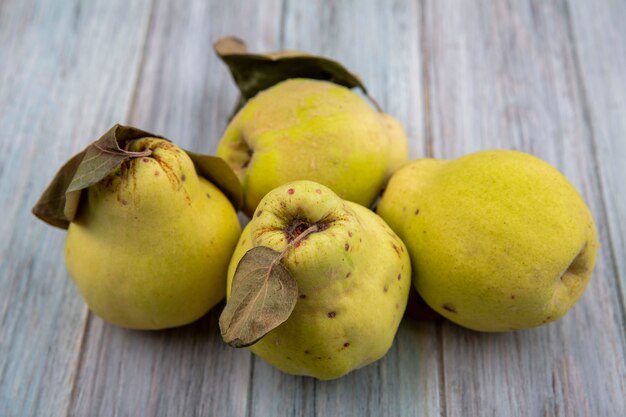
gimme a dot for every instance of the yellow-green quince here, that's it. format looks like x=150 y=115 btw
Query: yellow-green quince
x=303 y=129
x=353 y=277
x=499 y=240
x=150 y=246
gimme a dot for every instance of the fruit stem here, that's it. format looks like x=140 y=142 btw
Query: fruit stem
x=295 y=242
x=146 y=152
x=374 y=102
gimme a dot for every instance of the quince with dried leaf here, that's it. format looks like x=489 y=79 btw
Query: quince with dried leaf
x=299 y=120
x=314 y=130
x=149 y=236
x=317 y=285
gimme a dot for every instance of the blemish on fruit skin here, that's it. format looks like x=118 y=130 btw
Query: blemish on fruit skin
x=145 y=160
x=346 y=344
x=208 y=195
x=124 y=202
x=348 y=274
x=449 y=307
x=512 y=297
x=399 y=277
x=317 y=190
x=156 y=173
x=397 y=306
x=258 y=213
x=302 y=296
x=332 y=315
x=417 y=211
x=291 y=191
x=183 y=178
x=396 y=248
x=347 y=246
x=385 y=288
x=307 y=352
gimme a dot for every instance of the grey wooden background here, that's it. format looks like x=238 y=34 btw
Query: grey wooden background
x=546 y=77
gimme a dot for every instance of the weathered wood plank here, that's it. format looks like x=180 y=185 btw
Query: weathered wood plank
x=601 y=51
x=380 y=42
x=503 y=75
x=544 y=77
x=61 y=84
x=185 y=91
x=186 y=94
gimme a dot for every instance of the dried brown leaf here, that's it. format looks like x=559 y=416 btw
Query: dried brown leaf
x=263 y=296
x=59 y=203
x=256 y=72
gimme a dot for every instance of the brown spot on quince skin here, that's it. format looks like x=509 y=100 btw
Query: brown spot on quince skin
x=449 y=307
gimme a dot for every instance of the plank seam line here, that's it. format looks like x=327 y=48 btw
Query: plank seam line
x=250 y=387
x=71 y=404
x=443 y=411
x=283 y=22
x=130 y=117
x=87 y=322
x=596 y=166
x=315 y=397
x=428 y=139
x=425 y=64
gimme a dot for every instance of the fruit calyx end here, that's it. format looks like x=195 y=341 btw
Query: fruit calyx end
x=298 y=226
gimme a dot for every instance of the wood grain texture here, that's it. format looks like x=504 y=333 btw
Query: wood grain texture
x=61 y=84
x=504 y=75
x=601 y=52
x=546 y=77
x=184 y=93
x=405 y=381
x=379 y=41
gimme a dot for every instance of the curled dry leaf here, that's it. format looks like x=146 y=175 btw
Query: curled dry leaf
x=106 y=153
x=263 y=296
x=58 y=204
x=256 y=72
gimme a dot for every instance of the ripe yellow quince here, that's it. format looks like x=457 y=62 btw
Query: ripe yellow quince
x=304 y=129
x=499 y=240
x=150 y=245
x=353 y=277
